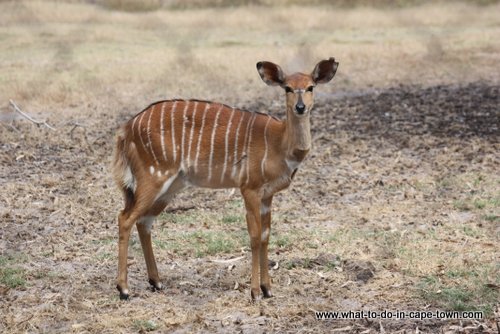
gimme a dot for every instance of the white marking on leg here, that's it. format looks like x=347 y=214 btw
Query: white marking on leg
x=249 y=147
x=233 y=172
x=226 y=146
x=162 y=131
x=148 y=132
x=200 y=137
x=191 y=134
x=152 y=170
x=147 y=221
x=214 y=129
x=264 y=209
x=265 y=235
x=159 y=173
x=166 y=186
x=184 y=120
x=264 y=159
x=172 y=129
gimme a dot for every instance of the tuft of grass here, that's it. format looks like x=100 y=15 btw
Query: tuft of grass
x=12 y=277
x=491 y=218
x=230 y=219
x=132 y=5
x=182 y=218
x=281 y=241
x=145 y=325
x=211 y=243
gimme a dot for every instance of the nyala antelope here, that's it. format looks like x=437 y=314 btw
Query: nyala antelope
x=175 y=143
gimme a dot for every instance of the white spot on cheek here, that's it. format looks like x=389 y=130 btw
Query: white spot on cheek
x=152 y=170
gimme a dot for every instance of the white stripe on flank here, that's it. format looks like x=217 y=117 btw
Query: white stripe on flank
x=207 y=106
x=162 y=131
x=214 y=129
x=139 y=126
x=233 y=172
x=263 y=163
x=249 y=147
x=166 y=186
x=148 y=132
x=226 y=146
x=172 y=129
x=191 y=134
x=184 y=120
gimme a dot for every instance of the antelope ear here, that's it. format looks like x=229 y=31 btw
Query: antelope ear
x=325 y=71
x=271 y=73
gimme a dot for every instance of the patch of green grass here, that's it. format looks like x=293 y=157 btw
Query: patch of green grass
x=181 y=218
x=10 y=274
x=145 y=325
x=480 y=203
x=132 y=5
x=211 y=243
x=230 y=219
x=471 y=231
x=470 y=204
x=12 y=277
x=202 y=243
x=491 y=218
x=460 y=290
x=281 y=241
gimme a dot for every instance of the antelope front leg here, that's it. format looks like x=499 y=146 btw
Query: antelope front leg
x=252 y=204
x=265 y=217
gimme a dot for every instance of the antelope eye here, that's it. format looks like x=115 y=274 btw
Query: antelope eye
x=288 y=89
x=310 y=89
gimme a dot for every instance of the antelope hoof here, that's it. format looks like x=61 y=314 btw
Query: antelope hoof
x=266 y=291
x=155 y=286
x=256 y=296
x=123 y=293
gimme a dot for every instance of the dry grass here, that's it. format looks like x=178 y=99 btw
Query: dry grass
x=402 y=184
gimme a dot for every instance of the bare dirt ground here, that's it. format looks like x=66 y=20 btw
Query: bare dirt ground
x=396 y=208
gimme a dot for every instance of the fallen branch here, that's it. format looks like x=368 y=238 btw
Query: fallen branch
x=28 y=117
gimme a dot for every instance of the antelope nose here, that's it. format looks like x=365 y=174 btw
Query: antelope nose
x=300 y=107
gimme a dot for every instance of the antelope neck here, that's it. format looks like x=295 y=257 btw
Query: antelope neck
x=297 y=136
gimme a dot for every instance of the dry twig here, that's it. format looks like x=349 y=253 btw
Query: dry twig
x=28 y=117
